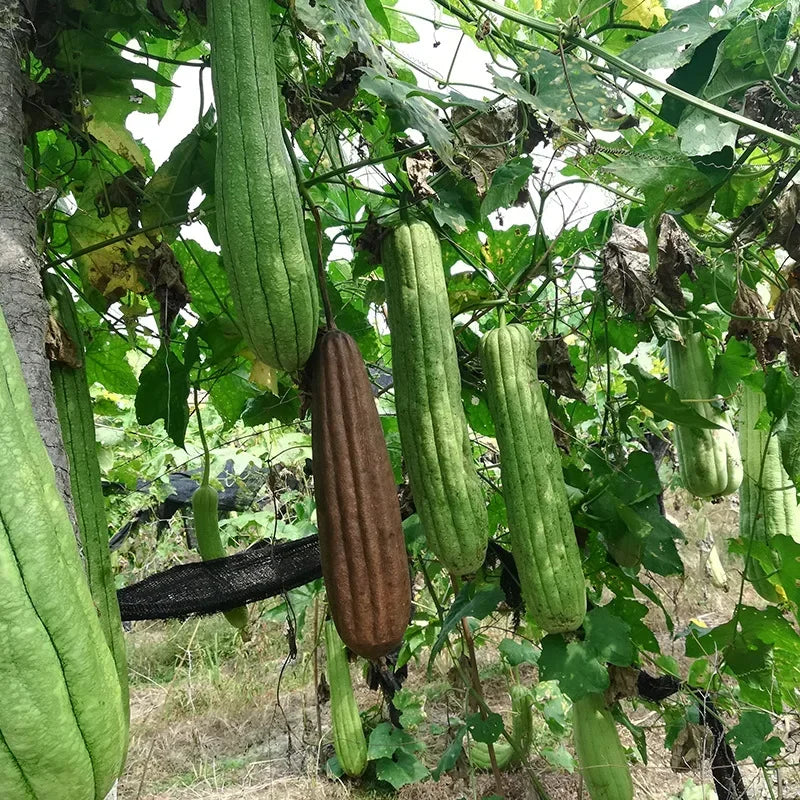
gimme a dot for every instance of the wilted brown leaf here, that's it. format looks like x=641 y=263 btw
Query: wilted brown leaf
x=483 y=141
x=167 y=284
x=58 y=346
x=623 y=683
x=419 y=168
x=692 y=746
x=787 y=318
x=369 y=242
x=786 y=223
x=626 y=269
x=556 y=368
x=677 y=256
x=754 y=329
x=761 y=104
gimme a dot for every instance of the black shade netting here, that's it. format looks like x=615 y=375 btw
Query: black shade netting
x=207 y=587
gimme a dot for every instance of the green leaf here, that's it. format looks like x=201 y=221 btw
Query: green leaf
x=385 y=740
x=487 y=730
x=107 y=364
x=410 y=705
x=205 y=278
x=559 y=757
x=451 y=754
x=162 y=394
x=334 y=767
x=229 y=396
x=665 y=402
x=636 y=731
x=411 y=108
x=508 y=253
x=473 y=600
x=608 y=637
x=516 y=653
x=401 y=29
x=267 y=407
x=400 y=770
x=376 y=9
x=573 y=665
x=676 y=42
x=668 y=179
x=477 y=412
x=507 y=182
x=731 y=365
x=81 y=53
x=702 y=133
x=190 y=166
x=752 y=738
x=783 y=397
x=567 y=89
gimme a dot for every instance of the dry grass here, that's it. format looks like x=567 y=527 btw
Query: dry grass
x=206 y=721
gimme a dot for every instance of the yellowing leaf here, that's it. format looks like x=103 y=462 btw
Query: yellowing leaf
x=644 y=12
x=111 y=269
x=264 y=376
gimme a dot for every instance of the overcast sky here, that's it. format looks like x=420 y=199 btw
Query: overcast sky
x=437 y=49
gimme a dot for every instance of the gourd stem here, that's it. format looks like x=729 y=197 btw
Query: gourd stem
x=206 y=454
x=501 y=316
x=476 y=686
x=321 y=277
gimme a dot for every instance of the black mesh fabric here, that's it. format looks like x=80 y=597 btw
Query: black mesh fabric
x=206 y=587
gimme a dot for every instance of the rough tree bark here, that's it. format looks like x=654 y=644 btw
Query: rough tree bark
x=21 y=296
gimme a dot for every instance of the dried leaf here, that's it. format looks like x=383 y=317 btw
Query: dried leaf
x=691 y=747
x=755 y=330
x=556 y=368
x=786 y=223
x=677 y=256
x=623 y=683
x=338 y=92
x=761 y=104
x=125 y=191
x=167 y=283
x=626 y=270
x=483 y=138
x=58 y=345
x=787 y=318
x=369 y=242
x=419 y=168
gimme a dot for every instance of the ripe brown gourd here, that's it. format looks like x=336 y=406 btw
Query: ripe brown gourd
x=362 y=545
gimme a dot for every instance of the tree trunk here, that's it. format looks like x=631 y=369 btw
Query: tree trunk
x=21 y=296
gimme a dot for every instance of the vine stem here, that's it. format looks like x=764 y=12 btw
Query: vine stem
x=558 y=31
x=183 y=219
x=201 y=431
x=541 y=792
x=322 y=279
x=476 y=686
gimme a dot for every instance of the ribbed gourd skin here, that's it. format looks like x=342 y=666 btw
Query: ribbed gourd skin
x=542 y=534
x=205 y=508
x=427 y=386
x=709 y=459
x=362 y=545
x=600 y=753
x=63 y=730
x=76 y=418
x=349 y=741
x=767 y=497
x=259 y=217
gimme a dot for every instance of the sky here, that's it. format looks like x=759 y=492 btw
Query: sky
x=439 y=51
